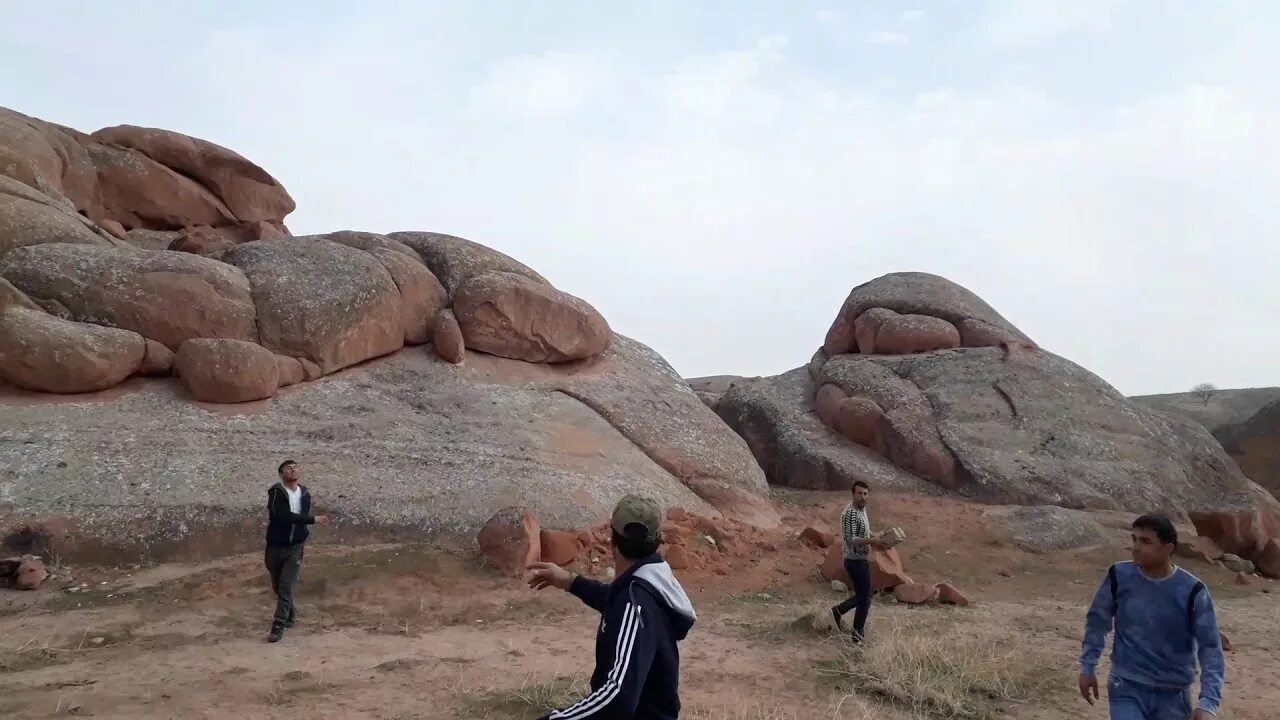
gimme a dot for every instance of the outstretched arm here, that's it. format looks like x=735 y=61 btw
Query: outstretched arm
x=1209 y=649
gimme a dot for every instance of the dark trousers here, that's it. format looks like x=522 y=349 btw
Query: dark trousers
x=284 y=562
x=860 y=573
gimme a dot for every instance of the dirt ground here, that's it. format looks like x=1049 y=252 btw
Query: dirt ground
x=424 y=631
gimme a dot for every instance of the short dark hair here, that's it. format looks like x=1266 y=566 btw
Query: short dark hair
x=635 y=545
x=1160 y=525
x=860 y=484
x=284 y=465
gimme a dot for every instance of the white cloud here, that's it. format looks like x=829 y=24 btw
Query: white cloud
x=885 y=37
x=549 y=84
x=912 y=15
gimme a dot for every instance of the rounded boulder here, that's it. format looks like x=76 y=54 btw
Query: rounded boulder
x=227 y=371
x=516 y=317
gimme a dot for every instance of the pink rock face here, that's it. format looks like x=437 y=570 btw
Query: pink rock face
x=421 y=294
x=1244 y=532
x=447 y=338
x=516 y=317
x=48 y=354
x=858 y=420
x=978 y=333
x=907 y=334
x=511 y=540
x=915 y=594
x=227 y=371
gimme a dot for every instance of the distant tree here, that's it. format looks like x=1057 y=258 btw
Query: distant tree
x=1204 y=391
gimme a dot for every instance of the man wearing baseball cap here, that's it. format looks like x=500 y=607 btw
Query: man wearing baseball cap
x=644 y=614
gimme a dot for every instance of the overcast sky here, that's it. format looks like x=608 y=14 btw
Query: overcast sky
x=716 y=176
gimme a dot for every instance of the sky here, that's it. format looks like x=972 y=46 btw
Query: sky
x=716 y=176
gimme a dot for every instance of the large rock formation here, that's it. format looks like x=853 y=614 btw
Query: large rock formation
x=1255 y=446
x=1214 y=409
x=968 y=404
x=535 y=401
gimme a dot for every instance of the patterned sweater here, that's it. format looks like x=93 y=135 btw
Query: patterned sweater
x=856 y=526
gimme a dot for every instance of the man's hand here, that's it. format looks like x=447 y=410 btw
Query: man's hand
x=1089 y=687
x=1202 y=714
x=546 y=574
x=322 y=519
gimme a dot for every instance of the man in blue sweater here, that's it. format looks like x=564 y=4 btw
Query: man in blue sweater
x=1164 y=620
x=644 y=613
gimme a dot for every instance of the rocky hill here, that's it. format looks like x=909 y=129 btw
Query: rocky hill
x=1255 y=446
x=165 y=342
x=921 y=385
x=1214 y=410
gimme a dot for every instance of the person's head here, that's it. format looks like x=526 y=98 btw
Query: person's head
x=637 y=529
x=288 y=471
x=861 y=491
x=1153 y=541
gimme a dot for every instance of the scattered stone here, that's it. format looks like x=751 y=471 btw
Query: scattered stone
x=23 y=573
x=98 y=640
x=817 y=536
x=949 y=594
x=915 y=593
x=1234 y=563
x=839 y=587
x=1242 y=579
x=511 y=540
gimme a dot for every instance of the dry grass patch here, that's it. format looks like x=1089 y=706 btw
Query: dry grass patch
x=972 y=671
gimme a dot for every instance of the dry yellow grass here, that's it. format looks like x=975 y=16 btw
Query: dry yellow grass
x=963 y=671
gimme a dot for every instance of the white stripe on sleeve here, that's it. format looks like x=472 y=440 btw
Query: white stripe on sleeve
x=613 y=684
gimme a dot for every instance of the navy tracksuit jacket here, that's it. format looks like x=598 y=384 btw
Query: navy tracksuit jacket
x=644 y=614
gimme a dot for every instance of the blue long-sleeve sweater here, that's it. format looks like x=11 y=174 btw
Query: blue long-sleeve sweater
x=1157 y=639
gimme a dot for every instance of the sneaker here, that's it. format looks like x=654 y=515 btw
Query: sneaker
x=277 y=632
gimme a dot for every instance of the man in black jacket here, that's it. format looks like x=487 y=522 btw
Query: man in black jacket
x=288 y=518
x=644 y=614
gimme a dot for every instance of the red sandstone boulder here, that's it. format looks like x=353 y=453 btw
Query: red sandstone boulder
x=915 y=594
x=158 y=359
x=886 y=568
x=1242 y=532
x=1268 y=560
x=203 y=240
x=511 y=540
x=907 y=334
x=168 y=297
x=329 y=303
x=950 y=595
x=866 y=328
x=979 y=333
x=45 y=353
x=227 y=371
x=817 y=536
x=454 y=260
x=515 y=317
x=447 y=338
x=245 y=189
x=30 y=574
x=290 y=370
x=421 y=294
x=561 y=547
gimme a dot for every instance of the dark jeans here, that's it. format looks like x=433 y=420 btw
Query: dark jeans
x=860 y=573
x=284 y=562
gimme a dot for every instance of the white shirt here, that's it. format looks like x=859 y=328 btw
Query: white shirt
x=295 y=499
